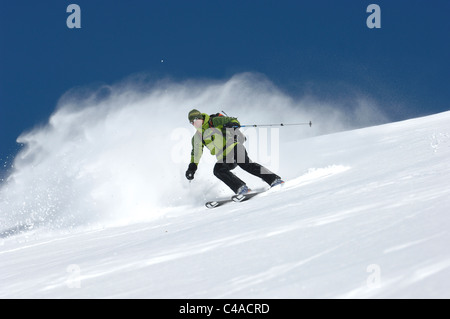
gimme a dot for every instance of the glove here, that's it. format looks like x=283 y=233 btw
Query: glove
x=190 y=175
x=191 y=171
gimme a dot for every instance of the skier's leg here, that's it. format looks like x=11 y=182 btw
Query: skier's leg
x=251 y=167
x=222 y=171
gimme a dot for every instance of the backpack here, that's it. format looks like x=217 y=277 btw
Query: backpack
x=213 y=116
x=238 y=135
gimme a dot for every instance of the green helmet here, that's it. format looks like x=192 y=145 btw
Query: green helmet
x=194 y=114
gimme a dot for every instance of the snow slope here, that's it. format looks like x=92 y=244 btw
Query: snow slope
x=364 y=214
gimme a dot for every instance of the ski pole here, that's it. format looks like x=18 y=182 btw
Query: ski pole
x=281 y=124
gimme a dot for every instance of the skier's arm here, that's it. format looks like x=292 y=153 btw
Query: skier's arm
x=196 y=154
x=197 y=148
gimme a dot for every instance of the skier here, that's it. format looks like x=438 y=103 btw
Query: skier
x=221 y=135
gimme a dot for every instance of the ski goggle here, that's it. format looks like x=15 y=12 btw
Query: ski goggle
x=194 y=119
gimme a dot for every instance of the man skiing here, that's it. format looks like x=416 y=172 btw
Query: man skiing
x=221 y=135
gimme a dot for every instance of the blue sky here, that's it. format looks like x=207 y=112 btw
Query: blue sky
x=315 y=47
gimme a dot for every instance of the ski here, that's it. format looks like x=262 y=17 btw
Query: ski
x=234 y=198
x=244 y=197
x=217 y=203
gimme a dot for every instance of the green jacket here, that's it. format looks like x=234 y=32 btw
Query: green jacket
x=219 y=140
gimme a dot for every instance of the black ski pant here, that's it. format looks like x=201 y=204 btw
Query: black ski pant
x=239 y=157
